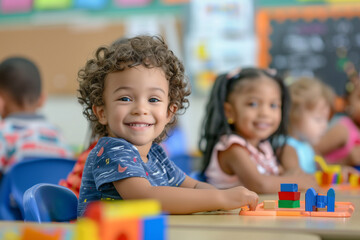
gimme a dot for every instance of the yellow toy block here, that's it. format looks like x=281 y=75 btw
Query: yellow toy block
x=86 y=229
x=131 y=208
x=325 y=167
x=269 y=204
x=354 y=180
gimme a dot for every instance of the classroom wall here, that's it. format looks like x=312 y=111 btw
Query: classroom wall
x=61 y=42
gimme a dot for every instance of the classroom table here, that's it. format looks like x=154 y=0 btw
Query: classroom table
x=178 y=233
x=326 y=228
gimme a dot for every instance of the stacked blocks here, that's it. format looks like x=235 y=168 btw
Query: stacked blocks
x=130 y=219
x=313 y=201
x=289 y=197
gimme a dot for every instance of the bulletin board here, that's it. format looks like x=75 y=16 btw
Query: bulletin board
x=321 y=41
x=58 y=50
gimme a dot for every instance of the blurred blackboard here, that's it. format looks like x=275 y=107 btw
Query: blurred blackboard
x=323 y=43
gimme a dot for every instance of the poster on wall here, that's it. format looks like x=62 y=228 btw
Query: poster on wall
x=219 y=37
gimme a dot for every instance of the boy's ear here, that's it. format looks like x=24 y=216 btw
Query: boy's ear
x=228 y=109
x=171 y=112
x=99 y=112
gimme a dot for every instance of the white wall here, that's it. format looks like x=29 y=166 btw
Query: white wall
x=66 y=113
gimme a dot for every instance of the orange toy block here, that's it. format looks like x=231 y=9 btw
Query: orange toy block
x=126 y=228
x=30 y=233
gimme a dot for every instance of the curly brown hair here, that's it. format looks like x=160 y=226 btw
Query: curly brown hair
x=148 y=51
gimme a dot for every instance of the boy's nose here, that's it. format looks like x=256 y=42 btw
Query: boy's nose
x=140 y=108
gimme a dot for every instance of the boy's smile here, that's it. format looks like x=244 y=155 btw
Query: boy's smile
x=136 y=105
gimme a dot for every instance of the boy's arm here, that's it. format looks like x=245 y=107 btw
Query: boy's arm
x=192 y=183
x=180 y=200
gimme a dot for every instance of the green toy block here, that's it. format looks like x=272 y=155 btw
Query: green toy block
x=288 y=204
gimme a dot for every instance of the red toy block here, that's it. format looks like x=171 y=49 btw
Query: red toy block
x=289 y=196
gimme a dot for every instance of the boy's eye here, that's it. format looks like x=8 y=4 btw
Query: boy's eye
x=153 y=100
x=253 y=104
x=125 y=99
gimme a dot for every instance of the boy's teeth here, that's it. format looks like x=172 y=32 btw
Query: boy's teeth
x=139 y=125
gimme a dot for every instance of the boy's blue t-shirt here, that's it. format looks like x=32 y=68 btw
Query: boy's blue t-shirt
x=113 y=159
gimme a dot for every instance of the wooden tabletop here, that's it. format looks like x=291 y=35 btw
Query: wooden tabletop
x=327 y=228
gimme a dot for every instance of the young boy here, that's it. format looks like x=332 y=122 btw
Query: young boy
x=131 y=93
x=24 y=133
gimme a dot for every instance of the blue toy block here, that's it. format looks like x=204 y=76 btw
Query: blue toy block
x=331 y=200
x=310 y=200
x=155 y=227
x=288 y=187
x=321 y=201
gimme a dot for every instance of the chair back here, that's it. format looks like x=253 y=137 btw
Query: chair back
x=45 y=202
x=23 y=175
x=197 y=175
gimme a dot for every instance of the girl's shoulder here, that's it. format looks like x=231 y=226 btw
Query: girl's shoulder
x=227 y=140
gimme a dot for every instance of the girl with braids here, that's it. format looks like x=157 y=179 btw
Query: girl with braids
x=132 y=92
x=245 y=110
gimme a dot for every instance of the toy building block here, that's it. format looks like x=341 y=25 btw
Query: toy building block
x=288 y=204
x=310 y=200
x=154 y=227
x=354 y=180
x=314 y=201
x=288 y=187
x=122 y=228
x=269 y=204
x=289 y=196
x=86 y=229
x=321 y=201
x=30 y=233
x=131 y=208
x=331 y=200
x=126 y=219
x=325 y=167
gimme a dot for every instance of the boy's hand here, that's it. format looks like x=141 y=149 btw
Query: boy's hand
x=238 y=197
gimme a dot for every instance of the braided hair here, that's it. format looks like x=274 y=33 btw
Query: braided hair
x=215 y=123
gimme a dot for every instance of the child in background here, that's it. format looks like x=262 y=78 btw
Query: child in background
x=312 y=104
x=244 y=110
x=132 y=94
x=311 y=107
x=340 y=144
x=23 y=132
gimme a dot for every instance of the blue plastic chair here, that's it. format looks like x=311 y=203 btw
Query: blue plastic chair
x=45 y=202
x=23 y=175
x=197 y=175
